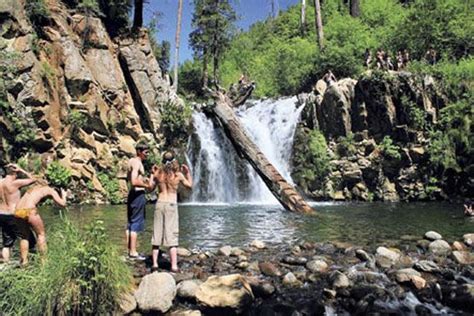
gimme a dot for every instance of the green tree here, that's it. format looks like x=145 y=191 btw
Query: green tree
x=138 y=14
x=213 y=28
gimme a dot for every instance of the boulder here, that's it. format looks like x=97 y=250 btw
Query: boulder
x=386 y=257
x=463 y=257
x=432 y=235
x=127 y=145
x=269 y=269
x=156 y=292
x=468 y=239
x=440 y=247
x=258 y=244
x=225 y=251
x=187 y=289
x=228 y=291
x=77 y=73
x=317 y=266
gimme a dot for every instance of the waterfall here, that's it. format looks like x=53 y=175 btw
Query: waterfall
x=219 y=174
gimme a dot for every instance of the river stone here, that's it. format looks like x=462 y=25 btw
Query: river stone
x=339 y=280
x=228 y=291
x=317 y=266
x=459 y=246
x=468 y=239
x=264 y=289
x=243 y=258
x=403 y=275
x=242 y=265
x=432 y=235
x=156 y=292
x=269 y=269
x=291 y=280
x=258 y=244
x=386 y=257
x=183 y=252
x=330 y=294
x=463 y=257
x=295 y=261
x=225 y=251
x=254 y=266
x=127 y=303
x=187 y=289
x=440 y=247
x=236 y=252
x=426 y=266
x=186 y=313
x=362 y=255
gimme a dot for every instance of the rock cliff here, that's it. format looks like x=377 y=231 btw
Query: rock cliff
x=377 y=131
x=79 y=96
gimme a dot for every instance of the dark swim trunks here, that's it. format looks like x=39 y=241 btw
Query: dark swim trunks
x=13 y=228
x=136 y=203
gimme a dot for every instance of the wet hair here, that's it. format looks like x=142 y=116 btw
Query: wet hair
x=170 y=164
x=141 y=146
x=10 y=170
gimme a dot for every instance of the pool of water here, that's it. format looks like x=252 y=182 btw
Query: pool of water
x=210 y=226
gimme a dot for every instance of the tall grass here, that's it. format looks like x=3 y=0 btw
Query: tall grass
x=82 y=274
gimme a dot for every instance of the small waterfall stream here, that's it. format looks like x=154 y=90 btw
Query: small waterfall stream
x=220 y=176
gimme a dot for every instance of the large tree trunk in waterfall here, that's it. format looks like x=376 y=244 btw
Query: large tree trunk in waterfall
x=319 y=24
x=281 y=189
x=177 y=39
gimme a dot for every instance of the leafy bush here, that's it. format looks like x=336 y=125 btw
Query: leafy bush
x=111 y=186
x=38 y=13
x=89 y=7
x=389 y=149
x=416 y=115
x=58 y=175
x=82 y=274
x=77 y=119
x=312 y=165
x=175 y=120
x=346 y=146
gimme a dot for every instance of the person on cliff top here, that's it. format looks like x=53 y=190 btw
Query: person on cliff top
x=27 y=211
x=468 y=211
x=165 y=222
x=10 y=195
x=329 y=78
x=136 y=201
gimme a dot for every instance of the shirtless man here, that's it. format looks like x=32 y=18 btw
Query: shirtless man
x=10 y=195
x=26 y=210
x=165 y=222
x=136 y=201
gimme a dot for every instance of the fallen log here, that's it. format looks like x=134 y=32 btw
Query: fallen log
x=281 y=189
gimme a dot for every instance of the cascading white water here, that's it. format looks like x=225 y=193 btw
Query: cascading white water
x=222 y=177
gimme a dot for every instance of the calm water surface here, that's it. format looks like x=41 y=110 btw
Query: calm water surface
x=363 y=224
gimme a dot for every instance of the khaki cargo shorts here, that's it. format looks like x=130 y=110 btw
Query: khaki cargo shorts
x=165 y=225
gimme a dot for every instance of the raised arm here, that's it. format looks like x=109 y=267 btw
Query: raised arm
x=60 y=200
x=19 y=183
x=186 y=178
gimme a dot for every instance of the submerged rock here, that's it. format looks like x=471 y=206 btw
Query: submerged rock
x=258 y=244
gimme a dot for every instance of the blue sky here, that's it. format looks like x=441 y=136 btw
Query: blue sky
x=249 y=11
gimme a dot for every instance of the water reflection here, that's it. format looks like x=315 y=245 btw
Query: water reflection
x=210 y=226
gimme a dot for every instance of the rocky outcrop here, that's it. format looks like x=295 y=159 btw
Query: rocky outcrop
x=86 y=97
x=376 y=129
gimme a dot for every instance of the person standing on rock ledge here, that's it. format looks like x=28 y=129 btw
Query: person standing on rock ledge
x=136 y=200
x=165 y=222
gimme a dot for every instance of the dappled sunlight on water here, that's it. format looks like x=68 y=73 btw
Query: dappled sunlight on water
x=213 y=225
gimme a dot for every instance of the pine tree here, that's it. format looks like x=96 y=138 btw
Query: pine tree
x=319 y=24
x=213 y=25
x=138 y=14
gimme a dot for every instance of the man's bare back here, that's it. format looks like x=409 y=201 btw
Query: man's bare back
x=168 y=185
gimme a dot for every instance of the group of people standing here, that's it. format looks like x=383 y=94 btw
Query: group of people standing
x=167 y=178
x=384 y=61
x=19 y=217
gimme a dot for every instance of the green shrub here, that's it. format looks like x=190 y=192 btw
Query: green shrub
x=38 y=13
x=77 y=119
x=175 y=120
x=347 y=145
x=82 y=274
x=90 y=7
x=58 y=175
x=312 y=165
x=416 y=115
x=389 y=149
x=111 y=186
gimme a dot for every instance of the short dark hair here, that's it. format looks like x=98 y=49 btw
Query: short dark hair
x=142 y=146
x=9 y=170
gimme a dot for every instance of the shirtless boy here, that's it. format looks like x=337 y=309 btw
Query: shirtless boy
x=10 y=195
x=165 y=222
x=136 y=201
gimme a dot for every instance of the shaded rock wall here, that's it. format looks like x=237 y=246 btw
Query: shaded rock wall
x=355 y=117
x=75 y=67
